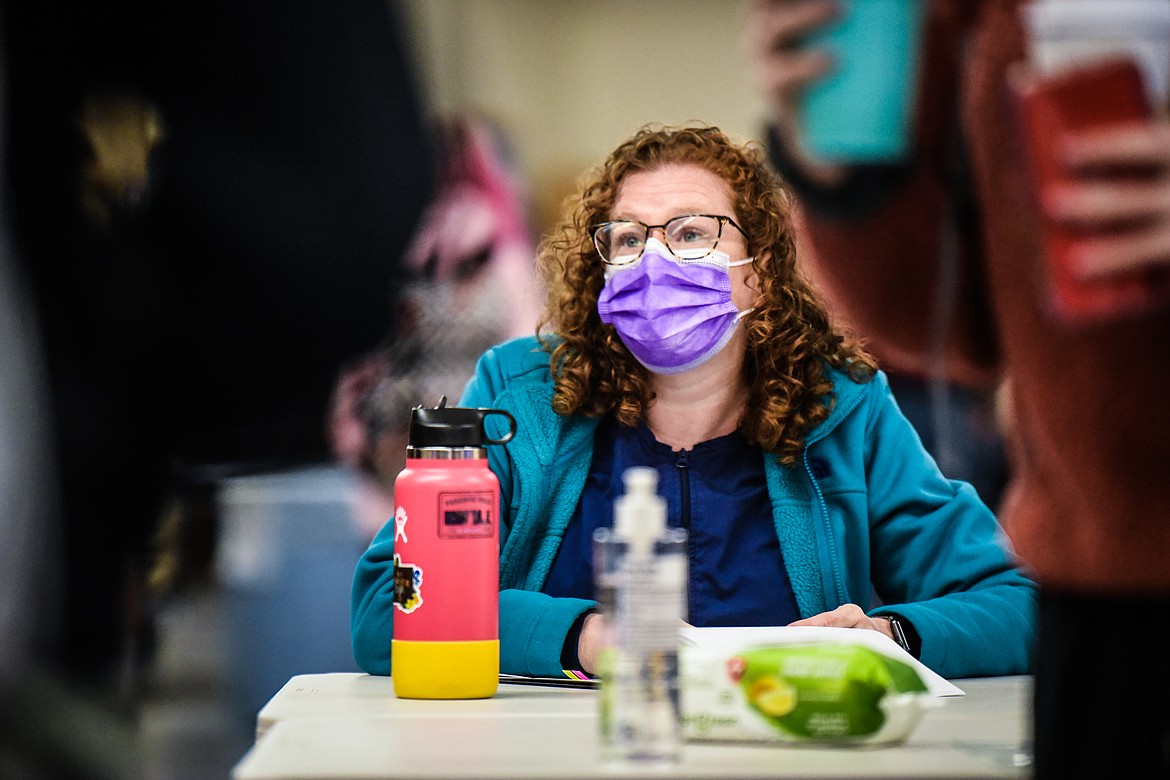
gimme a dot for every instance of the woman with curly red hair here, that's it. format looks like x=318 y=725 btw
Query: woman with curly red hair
x=679 y=334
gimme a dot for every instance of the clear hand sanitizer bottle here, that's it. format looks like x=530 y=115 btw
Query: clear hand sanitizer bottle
x=640 y=570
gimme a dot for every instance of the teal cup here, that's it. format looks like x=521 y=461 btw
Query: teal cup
x=863 y=110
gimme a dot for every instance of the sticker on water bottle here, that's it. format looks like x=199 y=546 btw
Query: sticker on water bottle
x=466 y=515
x=400 y=519
x=407 y=586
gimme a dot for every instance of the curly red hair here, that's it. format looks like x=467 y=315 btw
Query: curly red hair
x=790 y=338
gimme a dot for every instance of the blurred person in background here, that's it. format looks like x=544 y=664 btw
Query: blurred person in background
x=210 y=206
x=471 y=284
x=953 y=406
x=1090 y=439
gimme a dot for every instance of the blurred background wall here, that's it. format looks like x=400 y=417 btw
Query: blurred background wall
x=568 y=80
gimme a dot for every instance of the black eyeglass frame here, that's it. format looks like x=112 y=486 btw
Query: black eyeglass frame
x=718 y=237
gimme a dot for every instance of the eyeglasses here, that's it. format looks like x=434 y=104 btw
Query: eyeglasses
x=687 y=236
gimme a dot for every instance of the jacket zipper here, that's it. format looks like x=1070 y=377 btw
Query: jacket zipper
x=683 y=464
x=684 y=483
x=823 y=506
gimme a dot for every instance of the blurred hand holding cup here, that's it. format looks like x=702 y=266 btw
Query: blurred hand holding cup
x=1063 y=34
x=863 y=111
x=1093 y=65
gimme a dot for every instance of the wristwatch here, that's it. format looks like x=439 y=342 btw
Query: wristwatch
x=898 y=632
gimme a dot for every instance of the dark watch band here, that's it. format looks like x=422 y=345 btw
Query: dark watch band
x=898 y=631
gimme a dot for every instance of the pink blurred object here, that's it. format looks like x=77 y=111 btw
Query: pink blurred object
x=478 y=223
x=473 y=262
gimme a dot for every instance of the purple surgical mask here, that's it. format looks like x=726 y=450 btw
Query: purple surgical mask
x=671 y=313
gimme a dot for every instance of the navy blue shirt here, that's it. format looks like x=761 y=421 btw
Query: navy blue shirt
x=718 y=492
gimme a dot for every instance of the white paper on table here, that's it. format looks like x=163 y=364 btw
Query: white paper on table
x=733 y=637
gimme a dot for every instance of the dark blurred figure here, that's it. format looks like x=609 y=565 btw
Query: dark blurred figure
x=210 y=202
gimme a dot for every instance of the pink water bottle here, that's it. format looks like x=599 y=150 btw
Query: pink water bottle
x=446 y=641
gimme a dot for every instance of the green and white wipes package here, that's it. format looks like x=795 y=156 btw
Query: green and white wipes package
x=800 y=693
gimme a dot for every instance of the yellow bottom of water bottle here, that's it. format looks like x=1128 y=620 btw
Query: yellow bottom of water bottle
x=445 y=670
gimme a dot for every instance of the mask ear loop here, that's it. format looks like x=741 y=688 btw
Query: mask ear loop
x=739 y=315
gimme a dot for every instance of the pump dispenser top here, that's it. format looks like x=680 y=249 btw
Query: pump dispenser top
x=640 y=514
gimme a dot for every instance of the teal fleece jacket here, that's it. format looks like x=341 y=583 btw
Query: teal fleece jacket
x=876 y=518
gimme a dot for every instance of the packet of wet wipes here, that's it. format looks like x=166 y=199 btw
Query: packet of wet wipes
x=821 y=692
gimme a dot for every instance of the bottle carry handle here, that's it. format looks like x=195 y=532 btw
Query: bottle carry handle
x=511 y=426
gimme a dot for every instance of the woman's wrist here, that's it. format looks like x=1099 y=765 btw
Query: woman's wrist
x=786 y=143
x=848 y=193
x=901 y=631
x=591 y=641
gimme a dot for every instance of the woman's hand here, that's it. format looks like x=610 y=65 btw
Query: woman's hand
x=593 y=639
x=783 y=68
x=1120 y=178
x=848 y=616
x=591 y=642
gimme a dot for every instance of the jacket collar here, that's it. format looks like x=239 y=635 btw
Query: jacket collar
x=847 y=395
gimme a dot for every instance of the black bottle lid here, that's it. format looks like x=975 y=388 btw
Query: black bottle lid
x=454 y=426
